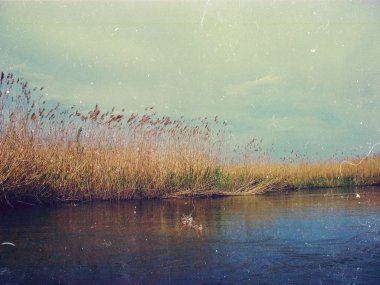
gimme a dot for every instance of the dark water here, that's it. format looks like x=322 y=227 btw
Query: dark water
x=318 y=237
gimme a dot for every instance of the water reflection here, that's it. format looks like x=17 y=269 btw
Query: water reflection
x=319 y=237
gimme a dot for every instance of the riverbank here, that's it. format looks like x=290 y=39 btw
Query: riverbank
x=52 y=154
x=36 y=172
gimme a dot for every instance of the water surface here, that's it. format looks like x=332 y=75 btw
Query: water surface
x=315 y=237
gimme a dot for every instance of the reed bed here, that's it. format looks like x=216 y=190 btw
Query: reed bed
x=52 y=153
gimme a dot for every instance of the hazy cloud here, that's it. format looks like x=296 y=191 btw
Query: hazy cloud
x=29 y=74
x=252 y=86
x=18 y=67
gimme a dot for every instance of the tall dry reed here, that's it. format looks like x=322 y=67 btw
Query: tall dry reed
x=53 y=153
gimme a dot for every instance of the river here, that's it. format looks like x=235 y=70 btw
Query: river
x=324 y=236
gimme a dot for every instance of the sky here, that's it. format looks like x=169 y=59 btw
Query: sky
x=302 y=75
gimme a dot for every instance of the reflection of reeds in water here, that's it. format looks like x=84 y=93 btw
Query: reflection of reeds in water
x=189 y=222
x=51 y=153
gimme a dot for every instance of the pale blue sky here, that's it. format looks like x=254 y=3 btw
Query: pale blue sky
x=304 y=75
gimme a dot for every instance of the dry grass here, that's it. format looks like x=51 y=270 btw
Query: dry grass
x=57 y=154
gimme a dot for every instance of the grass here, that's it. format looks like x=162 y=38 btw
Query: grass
x=50 y=153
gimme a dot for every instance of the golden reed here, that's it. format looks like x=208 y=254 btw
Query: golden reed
x=50 y=153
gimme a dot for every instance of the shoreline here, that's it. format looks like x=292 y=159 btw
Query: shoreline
x=185 y=194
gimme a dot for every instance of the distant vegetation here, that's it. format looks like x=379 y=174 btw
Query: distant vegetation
x=51 y=153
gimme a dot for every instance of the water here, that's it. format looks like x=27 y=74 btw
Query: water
x=315 y=237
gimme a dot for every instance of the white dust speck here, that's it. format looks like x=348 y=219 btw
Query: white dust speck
x=8 y=243
x=313 y=50
x=148 y=75
x=116 y=29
